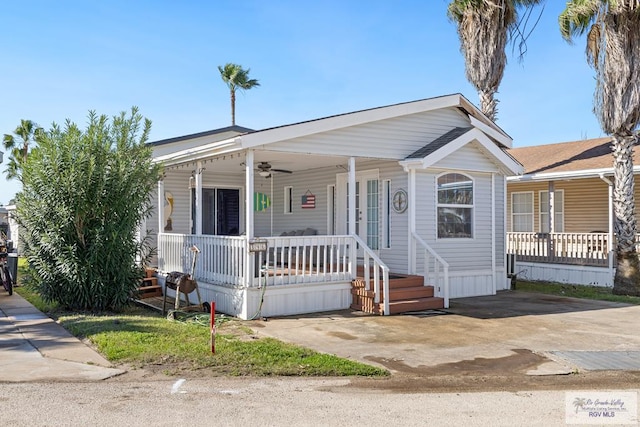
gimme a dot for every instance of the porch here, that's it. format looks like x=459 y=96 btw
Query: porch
x=578 y=258
x=299 y=274
x=590 y=249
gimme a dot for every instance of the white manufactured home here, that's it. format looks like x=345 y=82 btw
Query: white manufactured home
x=391 y=209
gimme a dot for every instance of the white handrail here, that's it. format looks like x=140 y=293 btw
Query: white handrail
x=377 y=265
x=443 y=290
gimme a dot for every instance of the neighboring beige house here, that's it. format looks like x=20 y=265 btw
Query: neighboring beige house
x=570 y=239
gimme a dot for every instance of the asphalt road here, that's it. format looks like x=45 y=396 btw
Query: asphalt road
x=267 y=402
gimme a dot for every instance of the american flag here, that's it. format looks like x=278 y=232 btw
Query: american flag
x=308 y=201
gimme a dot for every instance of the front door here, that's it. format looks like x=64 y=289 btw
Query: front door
x=367 y=191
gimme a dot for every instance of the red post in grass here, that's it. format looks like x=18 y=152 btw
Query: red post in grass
x=213 y=327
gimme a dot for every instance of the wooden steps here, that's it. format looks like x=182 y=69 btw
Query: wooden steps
x=149 y=288
x=407 y=293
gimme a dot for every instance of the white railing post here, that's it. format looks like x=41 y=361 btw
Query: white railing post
x=441 y=284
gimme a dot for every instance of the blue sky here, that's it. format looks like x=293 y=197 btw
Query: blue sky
x=313 y=59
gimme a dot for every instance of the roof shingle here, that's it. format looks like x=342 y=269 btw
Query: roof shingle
x=438 y=143
x=566 y=156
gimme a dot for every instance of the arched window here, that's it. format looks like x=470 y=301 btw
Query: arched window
x=455 y=206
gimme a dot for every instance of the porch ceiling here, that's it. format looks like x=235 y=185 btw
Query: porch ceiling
x=233 y=163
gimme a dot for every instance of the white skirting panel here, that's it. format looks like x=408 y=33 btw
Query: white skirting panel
x=228 y=299
x=503 y=283
x=282 y=300
x=472 y=283
x=560 y=273
x=288 y=300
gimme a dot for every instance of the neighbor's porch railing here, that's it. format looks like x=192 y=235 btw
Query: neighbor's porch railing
x=435 y=268
x=561 y=248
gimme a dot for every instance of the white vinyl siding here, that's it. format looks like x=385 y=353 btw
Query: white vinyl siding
x=522 y=212
x=468 y=158
x=461 y=254
x=544 y=211
x=393 y=138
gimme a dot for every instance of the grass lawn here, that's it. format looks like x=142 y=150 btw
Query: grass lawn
x=142 y=338
x=576 y=291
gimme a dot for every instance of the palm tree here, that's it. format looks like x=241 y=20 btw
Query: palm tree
x=613 y=50
x=484 y=27
x=235 y=77
x=18 y=145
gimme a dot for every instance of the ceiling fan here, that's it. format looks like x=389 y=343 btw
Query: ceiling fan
x=265 y=169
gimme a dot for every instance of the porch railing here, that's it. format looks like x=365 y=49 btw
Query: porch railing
x=221 y=259
x=304 y=259
x=561 y=248
x=373 y=265
x=435 y=268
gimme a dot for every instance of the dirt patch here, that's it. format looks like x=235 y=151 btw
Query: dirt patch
x=520 y=362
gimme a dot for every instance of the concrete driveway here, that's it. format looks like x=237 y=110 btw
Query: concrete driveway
x=539 y=334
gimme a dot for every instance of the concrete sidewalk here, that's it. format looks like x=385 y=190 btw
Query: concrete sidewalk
x=33 y=347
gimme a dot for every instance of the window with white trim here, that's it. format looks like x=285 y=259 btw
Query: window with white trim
x=558 y=214
x=288 y=200
x=455 y=206
x=522 y=212
x=386 y=214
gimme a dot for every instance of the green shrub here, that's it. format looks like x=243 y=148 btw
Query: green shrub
x=85 y=194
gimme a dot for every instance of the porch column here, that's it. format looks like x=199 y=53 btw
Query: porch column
x=161 y=217
x=411 y=217
x=249 y=228
x=249 y=194
x=161 y=220
x=551 y=250
x=552 y=207
x=351 y=229
x=198 y=203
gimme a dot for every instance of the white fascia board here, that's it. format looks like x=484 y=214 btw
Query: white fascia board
x=508 y=164
x=196 y=153
x=283 y=133
x=498 y=135
x=558 y=176
x=407 y=165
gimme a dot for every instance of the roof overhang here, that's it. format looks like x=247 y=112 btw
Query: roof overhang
x=506 y=162
x=340 y=121
x=197 y=153
x=567 y=175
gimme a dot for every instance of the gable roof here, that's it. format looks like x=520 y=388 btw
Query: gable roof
x=286 y=138
x=295 y=130
x=439 y=143
x=455 y=139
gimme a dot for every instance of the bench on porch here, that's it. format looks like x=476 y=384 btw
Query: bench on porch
x=295 y=255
